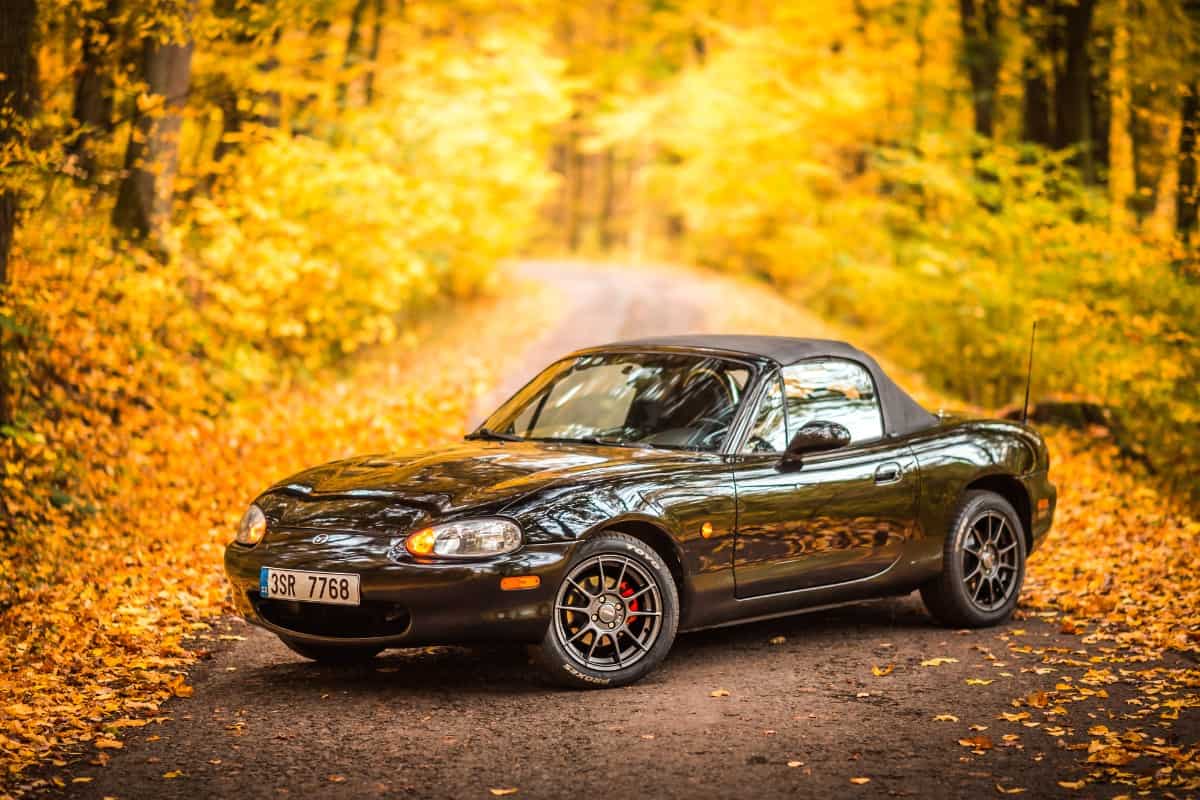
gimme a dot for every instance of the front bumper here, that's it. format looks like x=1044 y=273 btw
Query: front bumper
x=404 y=603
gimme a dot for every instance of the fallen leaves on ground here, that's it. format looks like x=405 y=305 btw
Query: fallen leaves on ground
x=880 y=672
x=77 y=653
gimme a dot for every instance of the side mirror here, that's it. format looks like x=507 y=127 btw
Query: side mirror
x=815 y=437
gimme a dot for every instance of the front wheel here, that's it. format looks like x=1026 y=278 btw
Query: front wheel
x=615 y=615
x=333 y=654
x=983 y=564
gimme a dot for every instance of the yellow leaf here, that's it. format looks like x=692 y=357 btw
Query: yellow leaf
x=502 y=792
x=978 y=742
x=945 y=718
x=1009 y=789
x=860 y=781
x=1072 y=784
x=937 y=662
x=108 y=744
x=719 y=693
x=979 y=681
x=175 y=773
x=879 y=672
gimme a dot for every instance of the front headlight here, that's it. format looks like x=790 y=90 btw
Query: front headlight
x=253 y=526
x=471 y=538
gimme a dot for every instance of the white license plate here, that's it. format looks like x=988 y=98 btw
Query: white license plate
x=337 y=588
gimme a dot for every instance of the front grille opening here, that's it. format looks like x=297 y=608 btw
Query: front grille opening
x=315 y=619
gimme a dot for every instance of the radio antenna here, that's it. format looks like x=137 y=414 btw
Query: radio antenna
x=1029 y=374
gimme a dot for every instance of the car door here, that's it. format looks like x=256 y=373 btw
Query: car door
x=842 y=515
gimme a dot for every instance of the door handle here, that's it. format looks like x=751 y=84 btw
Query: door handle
x=891 y=472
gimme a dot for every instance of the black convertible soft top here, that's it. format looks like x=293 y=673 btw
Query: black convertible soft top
x=901 y=414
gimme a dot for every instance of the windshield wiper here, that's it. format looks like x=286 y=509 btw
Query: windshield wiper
x=497 y=436
x=582 y=440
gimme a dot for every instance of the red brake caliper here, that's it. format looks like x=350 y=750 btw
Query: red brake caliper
x=627 y=591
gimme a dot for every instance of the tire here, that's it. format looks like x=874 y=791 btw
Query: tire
x=619 y=633
x=332 y=653
x=955 y=598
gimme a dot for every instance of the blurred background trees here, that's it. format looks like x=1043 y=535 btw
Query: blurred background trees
x=200 y=196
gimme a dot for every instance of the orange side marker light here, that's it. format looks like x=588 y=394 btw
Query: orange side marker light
x=421 y=543
x=706 y=530
x=520 y=582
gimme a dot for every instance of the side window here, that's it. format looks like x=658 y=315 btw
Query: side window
x=832 y=390
x=769 y=434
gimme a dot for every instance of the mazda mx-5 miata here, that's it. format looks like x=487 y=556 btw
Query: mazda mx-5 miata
x=635 y=490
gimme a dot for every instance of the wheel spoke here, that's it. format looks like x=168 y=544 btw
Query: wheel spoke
x=978 y=587
x=600 y=569
x=637 y=594
x=635 y=639
x=580 y=633
x=580 y=587
x=621 y=576
x=974 y=572
x=565 y=607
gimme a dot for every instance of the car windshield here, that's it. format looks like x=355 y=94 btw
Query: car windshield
x=667 y=400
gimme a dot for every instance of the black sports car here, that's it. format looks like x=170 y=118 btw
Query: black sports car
x=638 y=489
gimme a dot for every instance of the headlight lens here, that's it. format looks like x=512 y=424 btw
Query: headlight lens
x=252 y=527
x=472 y=538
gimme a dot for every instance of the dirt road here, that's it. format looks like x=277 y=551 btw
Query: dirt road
x=805 y=713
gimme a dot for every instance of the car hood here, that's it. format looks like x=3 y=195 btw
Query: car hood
x=397 y=490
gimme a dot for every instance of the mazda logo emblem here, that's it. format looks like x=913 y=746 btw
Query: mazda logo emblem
x=320 y=538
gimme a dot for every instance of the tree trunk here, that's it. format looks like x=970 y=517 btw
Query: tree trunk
x=1073 y=120
x=575 y=165
x=144 y=199
x=18 y=97
x=980 y=20
x=608 y=198
x=93 y=105
x=373 y=52
x=1120 y=142
x=1035 y=109
x=919 y=85
x=1187 y=195
x=350 y=57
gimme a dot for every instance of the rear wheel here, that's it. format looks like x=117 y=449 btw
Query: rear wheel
x=333 y=654
x=615 y=615
x=983 y=564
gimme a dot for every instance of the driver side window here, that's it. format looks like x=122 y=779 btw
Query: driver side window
x=769 y=434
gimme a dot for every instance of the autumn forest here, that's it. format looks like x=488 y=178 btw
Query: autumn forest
x=221 y=219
